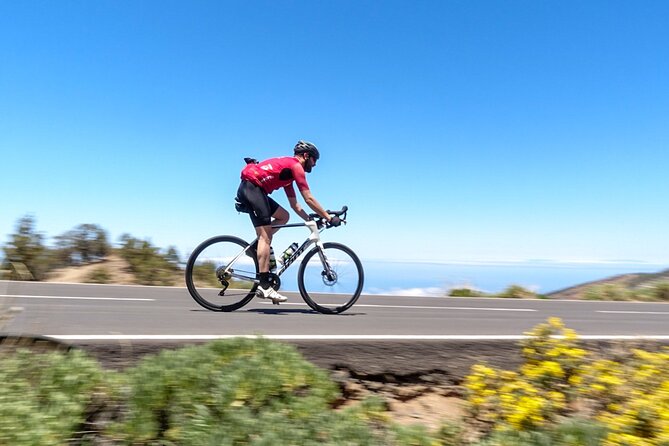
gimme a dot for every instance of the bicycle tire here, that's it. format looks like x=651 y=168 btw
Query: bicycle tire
x=201 y=274
x=340 y=291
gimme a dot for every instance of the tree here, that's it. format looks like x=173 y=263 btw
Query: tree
x=149 y=266
x=90 y=242
x=83 y=244
x=26 y=247
x=64 y=250
x=172 y=256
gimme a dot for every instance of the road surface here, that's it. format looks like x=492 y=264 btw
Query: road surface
x=105 y=312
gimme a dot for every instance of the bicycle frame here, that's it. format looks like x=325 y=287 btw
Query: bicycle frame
x=314 y=238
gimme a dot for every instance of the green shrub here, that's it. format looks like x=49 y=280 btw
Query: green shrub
x=465 y=292
x=149 y=265
x=517 y=292
x=414 y=435
x=608 y=292
x=236 y=392
x=450 y=434
x=660 y=291
x=99 y=275
x=579 y=432
x=44 y=397
x=571 y=432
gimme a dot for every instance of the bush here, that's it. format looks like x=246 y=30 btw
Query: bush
x=236 y=392
x=239 y=392
x=631 y=397
x=608 y=292
x=627 y=400
x=660 y=291
x=44 y=397
x=465 y=292
x=99 y=275
x=517 y=292
x=148 y=264
x=574 y=432
x=539 y=393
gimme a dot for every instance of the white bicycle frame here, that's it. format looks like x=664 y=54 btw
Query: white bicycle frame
x=314 y=238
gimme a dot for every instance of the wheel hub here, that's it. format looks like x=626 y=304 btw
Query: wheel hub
x=330 y=278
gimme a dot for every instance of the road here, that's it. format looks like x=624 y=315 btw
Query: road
x=76 y=312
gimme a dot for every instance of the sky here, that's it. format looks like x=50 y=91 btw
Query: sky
x=454 y=130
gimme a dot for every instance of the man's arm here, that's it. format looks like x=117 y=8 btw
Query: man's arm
x=314 y=204
x=297 y=208
x=301 y=181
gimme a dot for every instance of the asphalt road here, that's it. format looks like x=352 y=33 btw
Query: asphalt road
x=75 y=312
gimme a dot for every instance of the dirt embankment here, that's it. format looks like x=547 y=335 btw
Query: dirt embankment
x=116 y=268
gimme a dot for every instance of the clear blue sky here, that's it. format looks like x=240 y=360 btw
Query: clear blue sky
x=454 y=130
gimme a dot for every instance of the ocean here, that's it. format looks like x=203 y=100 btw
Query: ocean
x=435 y=279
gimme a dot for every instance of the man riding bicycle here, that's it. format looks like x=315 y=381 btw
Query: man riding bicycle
x=261 y=179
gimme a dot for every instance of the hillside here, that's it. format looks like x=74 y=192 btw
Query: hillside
x=116 y=267
x=629 y=281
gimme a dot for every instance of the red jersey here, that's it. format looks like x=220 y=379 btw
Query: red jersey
x=275 y=173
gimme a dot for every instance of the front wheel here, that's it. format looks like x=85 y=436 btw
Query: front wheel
x=330 y=279
x=221 y=274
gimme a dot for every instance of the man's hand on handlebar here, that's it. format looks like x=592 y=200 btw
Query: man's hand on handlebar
x=336 y=218
x=335 y=221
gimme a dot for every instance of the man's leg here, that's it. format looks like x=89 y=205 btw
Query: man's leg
x=264 y=242
x=264 y=233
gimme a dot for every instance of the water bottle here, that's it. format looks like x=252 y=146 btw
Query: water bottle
x=272 y=260
x=289 y=252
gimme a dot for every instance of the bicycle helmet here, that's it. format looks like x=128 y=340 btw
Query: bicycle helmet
x=307 y=147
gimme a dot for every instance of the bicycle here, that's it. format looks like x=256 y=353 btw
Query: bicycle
x=222 y=272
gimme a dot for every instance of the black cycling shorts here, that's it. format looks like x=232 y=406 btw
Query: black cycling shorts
x=261 y=206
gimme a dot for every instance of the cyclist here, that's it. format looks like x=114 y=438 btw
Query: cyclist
x=261 y=179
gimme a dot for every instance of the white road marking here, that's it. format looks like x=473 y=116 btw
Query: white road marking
x=444 y=308
x=124 y=299
x=289 y=337
x=408 y=306
x=632 y=312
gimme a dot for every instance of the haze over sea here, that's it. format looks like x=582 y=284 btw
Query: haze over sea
x=435 y=279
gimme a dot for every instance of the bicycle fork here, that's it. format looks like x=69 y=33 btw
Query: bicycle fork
x=328 y=274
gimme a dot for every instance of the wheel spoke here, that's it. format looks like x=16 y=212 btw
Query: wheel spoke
x=218 y=277
x=330 y=281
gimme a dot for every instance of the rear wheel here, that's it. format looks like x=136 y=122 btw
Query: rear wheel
x=220 y=276
x=330 y=280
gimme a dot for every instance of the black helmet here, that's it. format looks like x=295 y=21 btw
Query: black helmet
x=307 y=147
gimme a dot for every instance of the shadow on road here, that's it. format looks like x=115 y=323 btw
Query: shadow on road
x=294 y=311
x=280 y=311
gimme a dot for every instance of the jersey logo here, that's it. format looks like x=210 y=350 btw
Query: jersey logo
x=266 y=167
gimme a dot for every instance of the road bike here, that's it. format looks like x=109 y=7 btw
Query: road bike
x=222 y=272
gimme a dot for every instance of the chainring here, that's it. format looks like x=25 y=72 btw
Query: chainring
x=275 y=281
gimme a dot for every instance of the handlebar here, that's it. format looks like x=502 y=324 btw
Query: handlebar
x=341 y=214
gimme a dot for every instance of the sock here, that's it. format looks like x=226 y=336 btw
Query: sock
x=264 y=280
